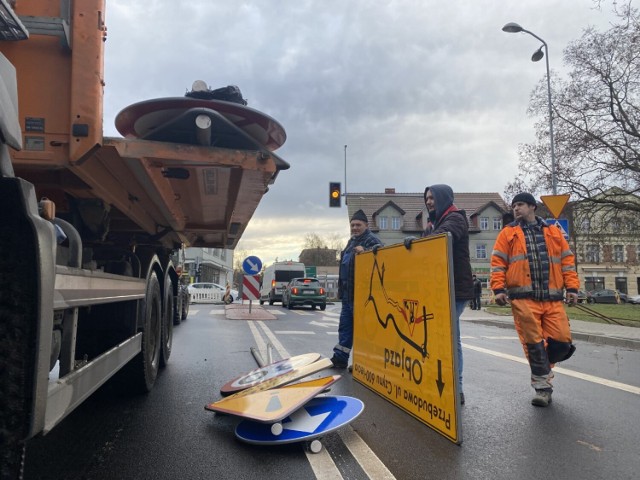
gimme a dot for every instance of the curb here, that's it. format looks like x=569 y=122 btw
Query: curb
x=241 y=312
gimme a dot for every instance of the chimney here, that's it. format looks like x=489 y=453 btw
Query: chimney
x=390 y=190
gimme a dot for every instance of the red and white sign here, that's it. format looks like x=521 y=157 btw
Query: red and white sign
x=251 y=287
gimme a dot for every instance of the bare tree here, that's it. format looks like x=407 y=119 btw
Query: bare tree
x=596 y=115
x=313 y=240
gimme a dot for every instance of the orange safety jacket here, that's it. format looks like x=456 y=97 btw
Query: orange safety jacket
x=510 y=270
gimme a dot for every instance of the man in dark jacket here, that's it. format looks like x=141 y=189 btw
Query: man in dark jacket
x=445 y=217
x=361 y=239
x=476 y=304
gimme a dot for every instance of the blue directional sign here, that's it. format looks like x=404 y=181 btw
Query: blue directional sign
x=562 y=224
x=318 y=417
x=252 y=265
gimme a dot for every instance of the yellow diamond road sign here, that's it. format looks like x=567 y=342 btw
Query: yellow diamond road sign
x=555 y=203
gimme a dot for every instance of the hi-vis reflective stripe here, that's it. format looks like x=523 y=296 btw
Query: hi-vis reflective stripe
x=251 y=287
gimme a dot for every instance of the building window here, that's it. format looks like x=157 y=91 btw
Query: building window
x=484 y=223
x=593 y=283
x=618 y=253
x=481 y=250
x=395 y=223
x=593 y=254
x=621 y=284
x=382 y=223
x=497 y=223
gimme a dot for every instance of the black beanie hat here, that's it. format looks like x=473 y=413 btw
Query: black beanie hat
x=526 y=198
x=359 y=215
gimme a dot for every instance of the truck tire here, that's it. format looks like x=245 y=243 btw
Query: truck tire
x=167 y=322
x=141 y=372
x=185 y=306
x=18 y=329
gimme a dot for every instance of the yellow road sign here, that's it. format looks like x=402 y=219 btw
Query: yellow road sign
x=404 y=326
x=555 y=203
x=273 y=405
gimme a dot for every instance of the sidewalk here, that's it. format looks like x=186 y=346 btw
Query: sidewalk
x=616 y=335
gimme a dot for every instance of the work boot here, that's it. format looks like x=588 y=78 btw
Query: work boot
x=542 y=398
x=338 y=363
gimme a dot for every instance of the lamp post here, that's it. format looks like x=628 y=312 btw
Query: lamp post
x=515 y=28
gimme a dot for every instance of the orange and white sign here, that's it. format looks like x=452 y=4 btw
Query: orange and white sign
x=404 y=330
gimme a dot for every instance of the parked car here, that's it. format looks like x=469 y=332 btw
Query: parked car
x=205 y=292
x=304 y=291
x=583 y=297
x=604 y=296
x=634 y=299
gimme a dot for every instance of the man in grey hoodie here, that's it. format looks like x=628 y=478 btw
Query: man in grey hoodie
x=445 y=217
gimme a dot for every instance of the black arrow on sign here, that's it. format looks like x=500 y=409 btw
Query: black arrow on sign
x=439 y=381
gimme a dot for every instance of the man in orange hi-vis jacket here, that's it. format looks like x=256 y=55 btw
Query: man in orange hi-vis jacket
x=531 y=267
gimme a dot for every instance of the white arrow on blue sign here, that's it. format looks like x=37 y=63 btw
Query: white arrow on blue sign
x=252 y=265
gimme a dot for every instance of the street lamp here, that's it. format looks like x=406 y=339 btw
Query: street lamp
x=515 y=28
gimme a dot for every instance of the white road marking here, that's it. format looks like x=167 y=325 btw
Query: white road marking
x=333 y=321
x=368 y=460
x=323 y=466
x=274 y=340
x=293 y=332
x=217 y=312
x=320 y=324
x=583 y=376
x=300 y=312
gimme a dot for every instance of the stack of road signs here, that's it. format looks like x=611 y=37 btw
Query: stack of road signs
x=276 y=411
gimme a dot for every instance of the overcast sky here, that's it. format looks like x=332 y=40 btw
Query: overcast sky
x=420 y=91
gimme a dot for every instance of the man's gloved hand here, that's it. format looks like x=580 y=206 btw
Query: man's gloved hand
x=407 y=242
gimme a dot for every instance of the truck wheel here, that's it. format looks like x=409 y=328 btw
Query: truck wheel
x=142 y=370
x=185 y=307
x=167 y=322
x=323 y=307
x=18 y=331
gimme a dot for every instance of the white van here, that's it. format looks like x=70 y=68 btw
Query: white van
x=275 y=279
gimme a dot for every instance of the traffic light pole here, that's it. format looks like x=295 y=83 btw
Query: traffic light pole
x=345 y=175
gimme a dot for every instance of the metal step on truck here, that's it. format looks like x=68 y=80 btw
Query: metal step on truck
x=91 y=226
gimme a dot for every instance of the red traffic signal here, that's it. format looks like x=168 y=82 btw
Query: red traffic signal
x=334 y=194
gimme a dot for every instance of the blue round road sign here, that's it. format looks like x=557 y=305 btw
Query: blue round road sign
x=252 y=265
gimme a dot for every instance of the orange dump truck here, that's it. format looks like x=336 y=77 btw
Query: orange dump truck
x=90 y=226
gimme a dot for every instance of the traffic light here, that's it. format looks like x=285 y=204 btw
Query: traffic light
x=334 y=194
